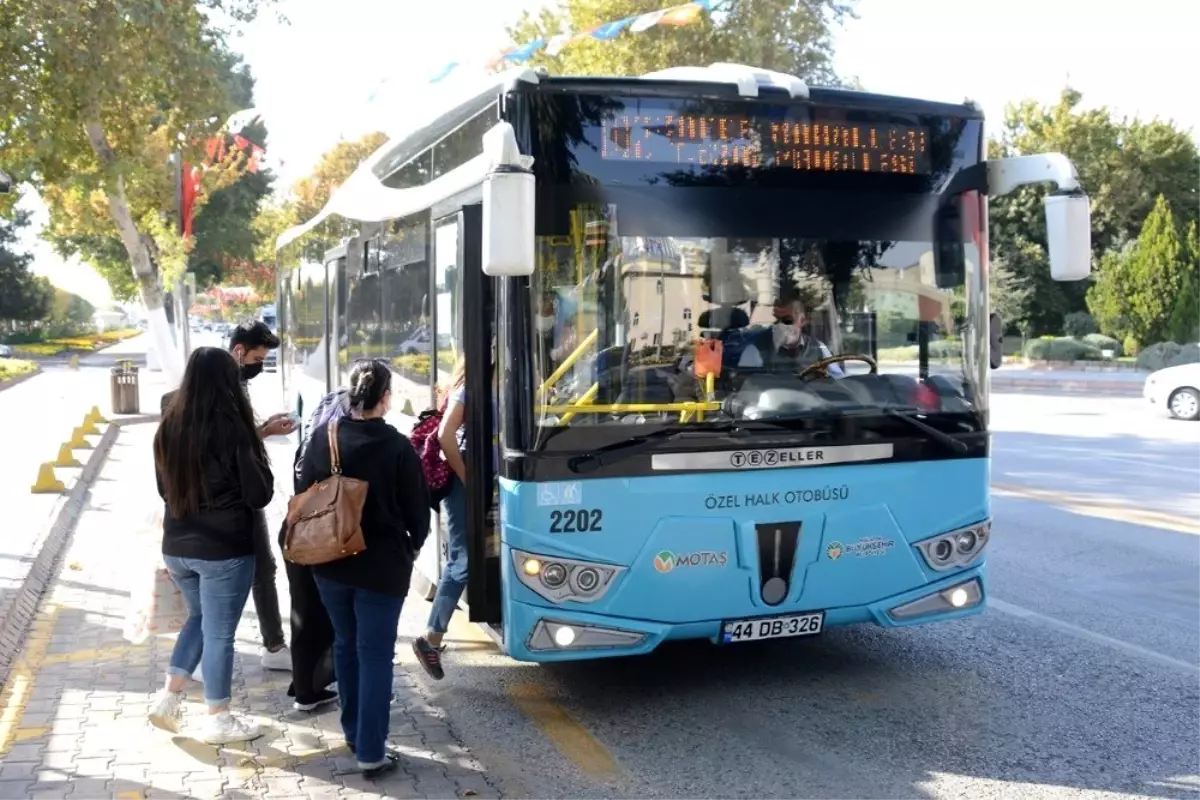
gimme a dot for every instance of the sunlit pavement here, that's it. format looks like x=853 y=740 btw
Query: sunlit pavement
x=1082 y=679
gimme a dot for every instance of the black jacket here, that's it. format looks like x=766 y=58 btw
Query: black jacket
x=237 y=486
x=395 y=519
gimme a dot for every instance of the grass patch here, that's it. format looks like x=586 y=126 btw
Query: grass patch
x=14 y=367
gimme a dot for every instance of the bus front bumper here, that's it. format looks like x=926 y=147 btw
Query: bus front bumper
x=538 y=633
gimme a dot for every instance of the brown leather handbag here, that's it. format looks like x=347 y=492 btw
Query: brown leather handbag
x=325 y=521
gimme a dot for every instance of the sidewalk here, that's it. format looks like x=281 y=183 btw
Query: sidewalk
x=73 y=715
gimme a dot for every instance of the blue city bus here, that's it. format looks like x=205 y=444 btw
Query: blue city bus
x=740 y=340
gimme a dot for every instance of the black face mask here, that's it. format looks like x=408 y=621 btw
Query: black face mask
x=251 y=371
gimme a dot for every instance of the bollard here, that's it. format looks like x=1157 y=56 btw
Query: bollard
x=96 y=416
x=89 y=427
x=46 y=482
x=66 y=458
x=73 y=362
x=78 y=442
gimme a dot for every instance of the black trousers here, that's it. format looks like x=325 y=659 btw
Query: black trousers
x=266 y=598
x=312 y=636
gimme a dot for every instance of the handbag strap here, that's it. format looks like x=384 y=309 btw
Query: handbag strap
x=335 y=456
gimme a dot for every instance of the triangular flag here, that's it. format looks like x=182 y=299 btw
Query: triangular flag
x=446 y=70
x=647 y=21
x=524 y=52
x=681 y=15
x=611 y=30
x=557 y=43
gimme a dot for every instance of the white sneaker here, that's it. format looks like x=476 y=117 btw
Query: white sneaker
x=197 y=676
x=224 y=728
x=280 y=660
x=167 y=711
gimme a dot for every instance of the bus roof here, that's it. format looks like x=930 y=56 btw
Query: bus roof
x=364 y=190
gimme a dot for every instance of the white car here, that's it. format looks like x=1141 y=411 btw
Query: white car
x=5 y=351
x=1177 y=389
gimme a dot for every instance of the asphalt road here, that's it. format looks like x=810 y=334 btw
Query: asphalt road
x=1080 y=680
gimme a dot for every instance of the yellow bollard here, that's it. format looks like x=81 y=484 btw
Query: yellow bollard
x=89 y=426
x=66 y=458
x=78 y=442
x=73 y=362
x=46 y=482
x=408 y=409
x=96 y=416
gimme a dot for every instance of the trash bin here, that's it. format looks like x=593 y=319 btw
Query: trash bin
x=125 y=393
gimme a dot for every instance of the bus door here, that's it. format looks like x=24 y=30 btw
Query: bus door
x=466 y=294
x=335 y=314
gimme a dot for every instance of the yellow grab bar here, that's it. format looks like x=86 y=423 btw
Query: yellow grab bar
x=587 y=398
x=569 y=361
x=630 y=408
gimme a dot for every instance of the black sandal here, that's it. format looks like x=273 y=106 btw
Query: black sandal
x=391 y=762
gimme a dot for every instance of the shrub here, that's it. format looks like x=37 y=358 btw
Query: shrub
x=1167 y=354
x=1078 y=324
x=12 y=367
x=1132 y=345
x=1104 y=343
x=1063 y=348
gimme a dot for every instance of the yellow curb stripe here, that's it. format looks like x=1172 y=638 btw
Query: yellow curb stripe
x=21 y=679
x=564 y=732
x=1102 y=507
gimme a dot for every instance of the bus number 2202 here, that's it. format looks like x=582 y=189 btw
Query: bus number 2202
x=576 y=520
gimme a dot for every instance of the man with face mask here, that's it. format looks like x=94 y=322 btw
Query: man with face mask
x=249 y=345
x=788 y=348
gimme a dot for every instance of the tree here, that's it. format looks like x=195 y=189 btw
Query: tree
x=1139 y=289
x=791 y=36
x=99 y=97
x=1009 y=293
x=1185 y=317
x=23 y=296
x=1123 y=166
x=69 y=313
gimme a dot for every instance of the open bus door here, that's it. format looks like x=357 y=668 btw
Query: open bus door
x=479 y=322
x=335 y=312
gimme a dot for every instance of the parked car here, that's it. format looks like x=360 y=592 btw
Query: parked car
x=1177 y=389
x=5 y=351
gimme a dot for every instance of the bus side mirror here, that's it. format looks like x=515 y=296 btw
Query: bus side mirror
x=508 y=206
x=996 y=340
x=1069 y=236
x=949 y=260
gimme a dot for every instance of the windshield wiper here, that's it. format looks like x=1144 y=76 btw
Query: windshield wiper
x=619 y=451
x=941 y=437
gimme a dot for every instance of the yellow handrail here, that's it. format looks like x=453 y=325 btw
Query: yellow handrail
x=630 y=408
x=569 y=361
x=587 y=398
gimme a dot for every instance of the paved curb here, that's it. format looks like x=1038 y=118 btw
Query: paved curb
x=11 y=382
x=44 y=554
x=1094 y=388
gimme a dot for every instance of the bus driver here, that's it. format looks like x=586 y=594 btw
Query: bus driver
x=788 y=348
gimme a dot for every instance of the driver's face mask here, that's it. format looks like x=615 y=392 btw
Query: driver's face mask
x=785 y=333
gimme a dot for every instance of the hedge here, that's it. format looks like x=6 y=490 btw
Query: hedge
x=1168 y=354
x=1061 y=348
x=12 y=367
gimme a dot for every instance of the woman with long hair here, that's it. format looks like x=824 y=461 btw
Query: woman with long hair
x=452 y=435
x=212 y=471
x=364 y=593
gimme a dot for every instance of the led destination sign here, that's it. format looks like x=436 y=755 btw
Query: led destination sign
x=742 y=141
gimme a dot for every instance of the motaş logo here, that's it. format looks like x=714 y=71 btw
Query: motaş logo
x=667 y=561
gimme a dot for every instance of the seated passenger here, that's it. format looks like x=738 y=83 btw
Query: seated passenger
x=787 y=349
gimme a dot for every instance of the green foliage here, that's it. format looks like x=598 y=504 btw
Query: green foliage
x=792 y=36
x=1184 y=325
x=1102 y=342
x=1078 y=324
x=69 y=313
x=1168 y=354
x=1138 y=289
x=1131 y=346
x=24 y=297
x=1124 y=165
x=1011 y=290
x=13 y=367
x=1061 y=348
x=98 y=97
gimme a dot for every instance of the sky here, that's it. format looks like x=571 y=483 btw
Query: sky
x=316 y=76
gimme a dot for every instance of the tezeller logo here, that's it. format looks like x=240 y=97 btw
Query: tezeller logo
x=666 y=561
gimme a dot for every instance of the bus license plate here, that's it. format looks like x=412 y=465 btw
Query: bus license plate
x=753 y=630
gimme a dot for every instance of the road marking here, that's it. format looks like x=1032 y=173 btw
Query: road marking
x=1093 y=505
x=1099 y=638
x=565 y=732
x=21 y=679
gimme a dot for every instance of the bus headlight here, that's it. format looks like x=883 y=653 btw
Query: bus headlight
x=562 y=579
x=956 y=549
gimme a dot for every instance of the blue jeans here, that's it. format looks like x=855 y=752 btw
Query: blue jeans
x=364 y=628
x=454 y=574
x=215 y=593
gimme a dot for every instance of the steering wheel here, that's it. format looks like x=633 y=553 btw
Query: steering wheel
x=824 y=364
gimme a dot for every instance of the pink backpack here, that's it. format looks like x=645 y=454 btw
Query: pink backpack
x=424 y=438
